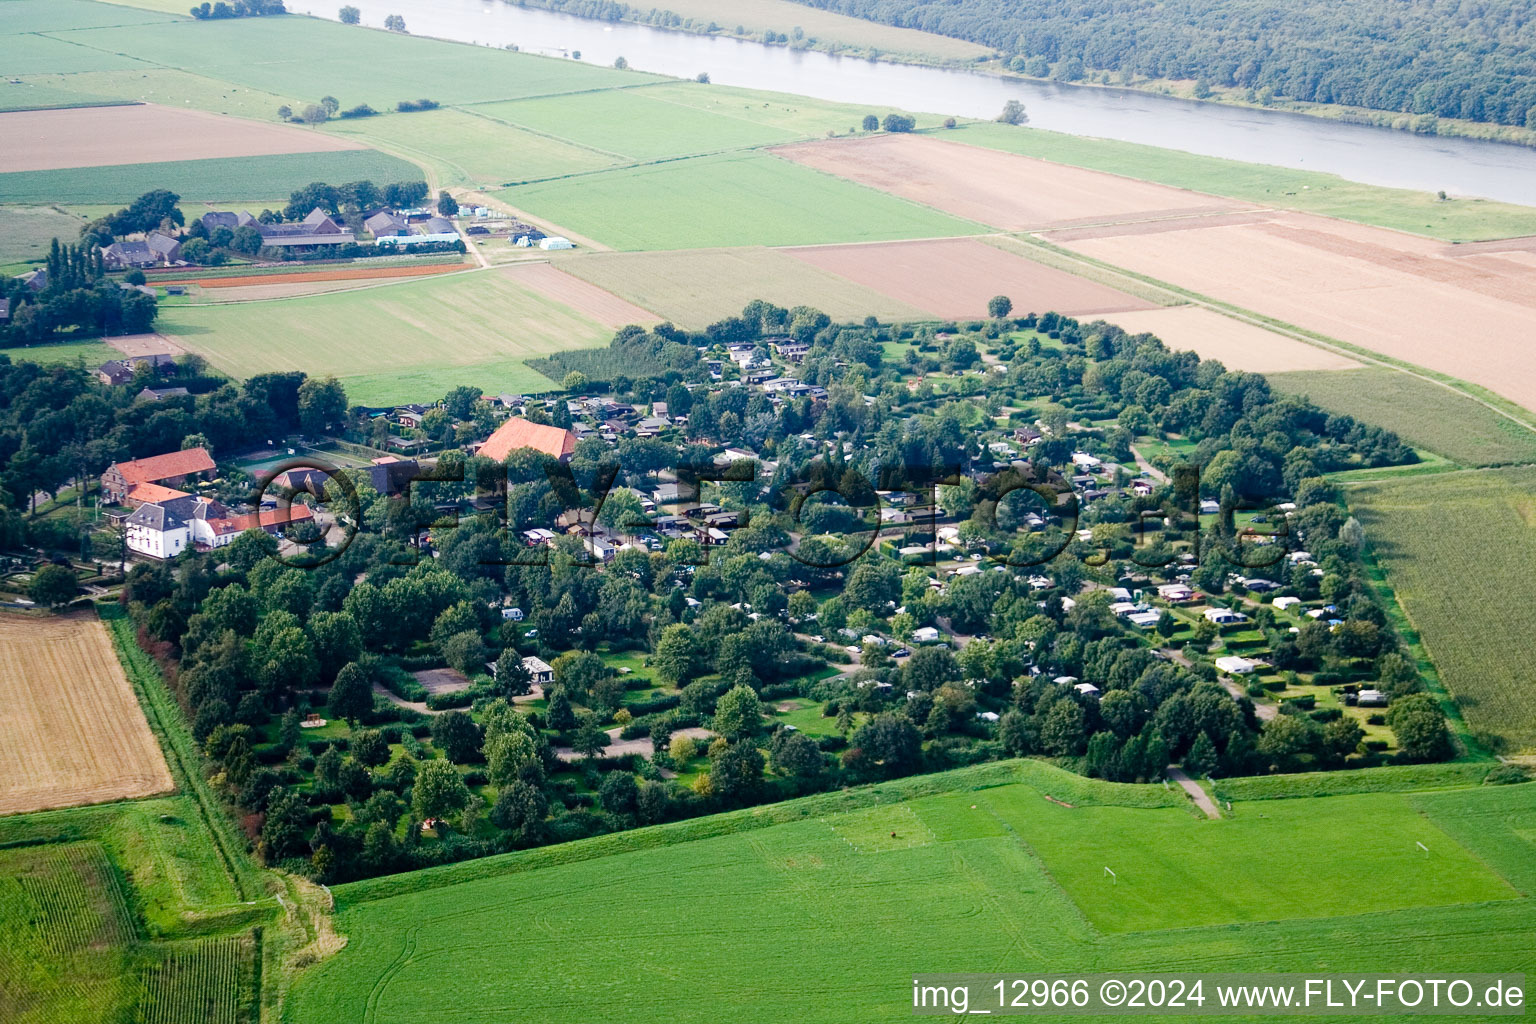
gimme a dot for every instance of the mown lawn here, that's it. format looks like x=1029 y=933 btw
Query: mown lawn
x=738 y=199
x=825 y=915
x=410 y=341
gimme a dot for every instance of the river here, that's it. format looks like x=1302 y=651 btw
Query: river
x=1377 y=156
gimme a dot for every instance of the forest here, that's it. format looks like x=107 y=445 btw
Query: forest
x=1471 y=61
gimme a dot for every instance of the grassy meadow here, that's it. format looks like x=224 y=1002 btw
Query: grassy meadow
x=737 y=199
x=219 y=178
x=823 y=907
x=1457 y=549
x=1421 y=412
x=695 y=288
x=93 y=352
x=1419 y=213
x=26 y=231
x=406 y=341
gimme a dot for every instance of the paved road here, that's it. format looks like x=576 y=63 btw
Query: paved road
x=1264 y=711
x=1196 y=792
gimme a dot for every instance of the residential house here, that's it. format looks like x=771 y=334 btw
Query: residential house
x=167 y=250
x=519 y=432
x=221 y=219
x=410 y=416
x=120 y=371
x=316 y=231
x=170 y=470
x=386 y=223
x=127 y=255
x=164 y=529
x=539 y=670
x=155 y=394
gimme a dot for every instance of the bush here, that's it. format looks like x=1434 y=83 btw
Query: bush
x=361 y=110
x=1326 y=715
x=408 y=106
x=1507 y=774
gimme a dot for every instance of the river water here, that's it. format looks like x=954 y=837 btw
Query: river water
x=1363 y=153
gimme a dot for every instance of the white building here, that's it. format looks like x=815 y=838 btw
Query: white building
x=539 y=670
x=1224 y=616
x=925 y=635
x=556 y=242
x=165 y=529
x=1234 y=666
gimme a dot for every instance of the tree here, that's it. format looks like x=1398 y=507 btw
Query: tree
x=520 y=809
x=1419 y=726
x=350 y=15
x=898 y=123
x=1063 y=732
x=282 y=833
x=511 y=756
x=621 y=64
x=574 y=381
x=796 y=755
x=1013 y=113
x=351 y=695
x=457 y=735
x=394 y=23
x=702 y=78
x=677 y=659
x=886 y=746
x=999 y=306
x=736 y=772
x=1352 y=534
x=871 y=123
x=53 y=586
x=284 y=113
x=619 y=793
x=314 y=114
x=1201 y=759
x=370 y=748
x=512 y=676
x=331 y=105
x=447 y=206
x=322 y=406
x=560 y=717
x=439 y=789
x=738 y=714
x=590 y=740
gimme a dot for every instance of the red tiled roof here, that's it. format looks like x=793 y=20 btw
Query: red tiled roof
x=262 y=519
x=163 y=467
x=151 y=493
x=519 y=432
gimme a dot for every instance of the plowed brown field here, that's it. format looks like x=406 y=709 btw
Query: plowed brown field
x=41 y=140
x=1002 y=189
x=71 y=731
x=953 y=278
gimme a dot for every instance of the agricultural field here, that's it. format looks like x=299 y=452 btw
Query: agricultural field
x=698 y=287
x=737 y=199
x=219 y=178
x=73 y=732
x=327 y=58
x=637 y=124
x=1007 y=191
x=800 y=115
x=842 y=888
x=1420 y=213
x=26 y=231
x=954 y=278
x=1425 y=414
x=1238 y=344
x=584 y=297
x=154 y=85
x=94 y=353
x=33 y=95
x=464 y=147
x=23 y=16
x=1379 y=290
x=103 y=136
x=415 y=339
x=1457 y=550
x=201 y=981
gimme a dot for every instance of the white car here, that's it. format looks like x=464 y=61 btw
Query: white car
x=851 y=649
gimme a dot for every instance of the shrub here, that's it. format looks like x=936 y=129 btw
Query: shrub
x=361 y=110
x=1507 y=774
x=408 y=106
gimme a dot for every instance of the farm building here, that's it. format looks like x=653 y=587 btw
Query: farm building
x=519 y=432
x=170 y=470
x=386 y=223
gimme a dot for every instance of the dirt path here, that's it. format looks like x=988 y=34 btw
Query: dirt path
x=621 y=748
x=1147 y=467
x=1264 y=711
x=1196 y=792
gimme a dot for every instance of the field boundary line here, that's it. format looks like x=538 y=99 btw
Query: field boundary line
x=540 y=132
x=1469 y=391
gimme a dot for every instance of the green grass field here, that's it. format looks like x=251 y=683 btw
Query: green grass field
x=38 y=54
x=1457 y=549
x=94 y=353
x=156 y=85
x=814 y=911
x=699 y=287
x=54 y=15
x=1420 y=213
x=1421 y=412
x=31 y=95
x=639 y=124
x=415 y=339
x=466 y=148
x=26 y=231
x=223 y=177
x=738 y=199
x=308 y=58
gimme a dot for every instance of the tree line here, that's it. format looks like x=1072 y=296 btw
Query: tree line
x=1472 y=61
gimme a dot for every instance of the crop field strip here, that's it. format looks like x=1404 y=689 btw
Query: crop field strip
x=1457 y=549
x=77 y=896
x=993 y=874
x=201 y=982
x=71 y=731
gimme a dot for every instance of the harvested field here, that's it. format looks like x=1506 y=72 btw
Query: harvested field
x=1002 y=189
x=695 y=288
x=312 y=277
x=42 y=140
x=71 y=731
x=953 y=278
x=582 y=296
x=145 y=345
x=1239 y=345
x=1396 y=294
